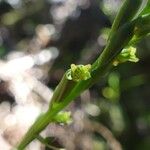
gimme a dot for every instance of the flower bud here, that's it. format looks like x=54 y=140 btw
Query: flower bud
x=127 y=54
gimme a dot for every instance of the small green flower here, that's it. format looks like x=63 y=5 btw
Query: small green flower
x=63 y=117
x=127 y=54
x=79 y=72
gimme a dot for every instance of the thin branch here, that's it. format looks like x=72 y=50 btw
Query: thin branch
x=42 y=140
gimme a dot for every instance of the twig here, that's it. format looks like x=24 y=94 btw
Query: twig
x=42 y=140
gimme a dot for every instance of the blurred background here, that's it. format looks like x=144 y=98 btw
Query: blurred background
x=39 y=39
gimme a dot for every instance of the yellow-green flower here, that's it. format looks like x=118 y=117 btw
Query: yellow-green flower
x=79 y=72
x=127 y=54
x=63 y=117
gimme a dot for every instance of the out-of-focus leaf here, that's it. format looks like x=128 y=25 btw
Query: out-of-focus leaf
x=146 y=10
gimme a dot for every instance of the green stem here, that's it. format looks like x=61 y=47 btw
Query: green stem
x=127 y=12
x=41 y=122
x=42 y=140
x=63 y=88
x=102 y=64
x=67 y=90
x=142 y=29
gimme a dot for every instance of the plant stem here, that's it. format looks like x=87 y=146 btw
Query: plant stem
x=102 y=64
x=42 y=140
x=68 y=90
x=41 y=122
x=127 y=12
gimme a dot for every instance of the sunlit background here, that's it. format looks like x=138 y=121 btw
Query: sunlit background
x=39 y=39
